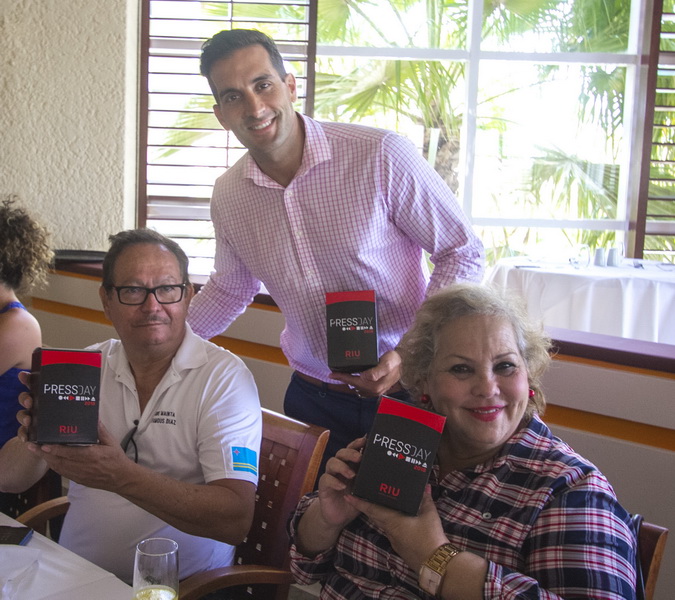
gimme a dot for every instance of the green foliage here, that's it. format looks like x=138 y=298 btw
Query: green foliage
x=399 y=86
x=566 y=184
x=192 y=125
x=421 y=91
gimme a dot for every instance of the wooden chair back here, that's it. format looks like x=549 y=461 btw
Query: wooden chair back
x=651 y=545
x=290 y=456
x=48 y=487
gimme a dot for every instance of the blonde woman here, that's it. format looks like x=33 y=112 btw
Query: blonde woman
x=511 y=512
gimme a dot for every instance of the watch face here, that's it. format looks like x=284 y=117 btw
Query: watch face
x=429 y=580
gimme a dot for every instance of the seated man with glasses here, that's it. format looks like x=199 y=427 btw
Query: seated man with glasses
x=180 y=426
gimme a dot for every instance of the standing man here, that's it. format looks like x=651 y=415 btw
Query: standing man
x=180 y=426
x=315 y=208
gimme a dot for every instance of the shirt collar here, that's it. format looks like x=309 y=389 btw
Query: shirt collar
x=317 y=149
x=527 y=443
x=191 y=354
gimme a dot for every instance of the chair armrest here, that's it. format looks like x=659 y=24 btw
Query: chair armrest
x=199 y=584
x=38 y=516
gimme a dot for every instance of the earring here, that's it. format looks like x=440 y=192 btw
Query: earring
x=531 y=394
x=425 y=399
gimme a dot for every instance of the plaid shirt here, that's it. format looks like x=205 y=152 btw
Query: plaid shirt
x=356 y=216
x=546 y=520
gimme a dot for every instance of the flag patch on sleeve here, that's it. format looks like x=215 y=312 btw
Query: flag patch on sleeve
x=244 y=459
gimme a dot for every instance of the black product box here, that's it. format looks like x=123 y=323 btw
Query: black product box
x=399 y=455
x=65 y=385
x=351 y=321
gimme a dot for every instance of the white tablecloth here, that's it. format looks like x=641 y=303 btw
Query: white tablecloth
x=63 y=575
x=624 y=301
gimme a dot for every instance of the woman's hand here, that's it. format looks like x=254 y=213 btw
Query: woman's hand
x=413 y=538
x=321 y=525
x=336 y=484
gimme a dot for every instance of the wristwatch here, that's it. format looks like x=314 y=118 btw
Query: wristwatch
x=432 y=571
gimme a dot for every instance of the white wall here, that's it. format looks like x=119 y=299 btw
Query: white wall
x=68 y=117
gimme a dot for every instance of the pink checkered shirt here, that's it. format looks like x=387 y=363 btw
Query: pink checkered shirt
x=356 y=216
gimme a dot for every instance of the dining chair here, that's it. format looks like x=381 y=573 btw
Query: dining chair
x=651 y=545
x=290 y=455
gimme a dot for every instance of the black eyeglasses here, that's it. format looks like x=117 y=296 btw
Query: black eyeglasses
x=129 y=440
x=134 y=295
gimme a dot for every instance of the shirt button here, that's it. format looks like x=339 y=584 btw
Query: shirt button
x=487 y=516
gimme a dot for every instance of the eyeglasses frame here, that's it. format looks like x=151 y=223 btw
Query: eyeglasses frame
x=149 y=291
x=129 y=439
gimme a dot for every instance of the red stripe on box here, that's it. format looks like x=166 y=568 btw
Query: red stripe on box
x=70 y=357
x=363 y=296
x=389 y=406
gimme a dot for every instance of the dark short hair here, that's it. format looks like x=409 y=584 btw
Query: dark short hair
x=25 y=253
x=227 y=42
x=418 y=346
x=124 y=239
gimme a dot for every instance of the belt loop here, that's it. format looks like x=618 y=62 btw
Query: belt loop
x=324 y=389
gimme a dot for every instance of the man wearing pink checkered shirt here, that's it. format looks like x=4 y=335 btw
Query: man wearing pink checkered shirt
x=322 y=207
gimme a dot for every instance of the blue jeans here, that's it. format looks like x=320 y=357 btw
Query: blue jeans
x=346 y=415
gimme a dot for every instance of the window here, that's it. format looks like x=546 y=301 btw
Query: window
x=533 y=113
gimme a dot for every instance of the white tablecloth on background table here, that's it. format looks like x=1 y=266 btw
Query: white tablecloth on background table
x=63 y=575
x=624 y=301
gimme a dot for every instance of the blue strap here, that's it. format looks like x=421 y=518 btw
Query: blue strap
x=10 y=306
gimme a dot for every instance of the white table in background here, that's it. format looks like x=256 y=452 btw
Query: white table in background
x=624 y=301
x=63 y=575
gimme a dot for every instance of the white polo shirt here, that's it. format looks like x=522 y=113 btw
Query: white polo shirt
x=202 y=423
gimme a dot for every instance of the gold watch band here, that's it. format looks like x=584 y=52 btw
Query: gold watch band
x=433 y=570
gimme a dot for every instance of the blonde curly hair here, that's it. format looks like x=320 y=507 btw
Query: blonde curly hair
x=418 y=346
x=25 y=254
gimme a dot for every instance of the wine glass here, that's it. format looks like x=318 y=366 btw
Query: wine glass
x=156 y=570
x=582 y=257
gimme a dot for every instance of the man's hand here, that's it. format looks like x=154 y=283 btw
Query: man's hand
x=23 y=416
x=376 y=381
x=97 y=466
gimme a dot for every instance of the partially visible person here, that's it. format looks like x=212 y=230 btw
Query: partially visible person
x=180 y=426
x=316 y=207
x=25 y=256
x=512 y=512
